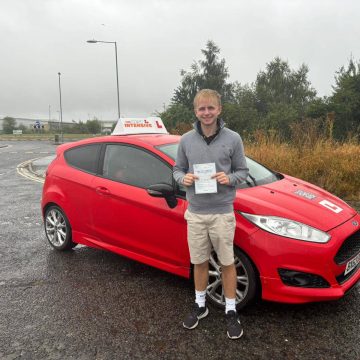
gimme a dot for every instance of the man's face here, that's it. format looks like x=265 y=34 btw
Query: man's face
x=207 y=111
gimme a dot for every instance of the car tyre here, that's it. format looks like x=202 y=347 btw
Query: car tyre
x=246 y=280
x=58 y=229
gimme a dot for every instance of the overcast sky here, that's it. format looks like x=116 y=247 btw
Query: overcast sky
x=155 y=40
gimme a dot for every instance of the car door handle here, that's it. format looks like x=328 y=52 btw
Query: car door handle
x=102 y=190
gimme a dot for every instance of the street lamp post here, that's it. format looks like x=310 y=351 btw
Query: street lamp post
x=61 y=127
x=116 y=63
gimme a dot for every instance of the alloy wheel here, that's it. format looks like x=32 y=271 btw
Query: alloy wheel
x=215 y=291
x=56 y=228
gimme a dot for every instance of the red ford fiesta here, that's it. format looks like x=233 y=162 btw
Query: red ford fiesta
x=294 y=242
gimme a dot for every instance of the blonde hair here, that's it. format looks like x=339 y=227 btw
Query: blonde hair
x=207 y=94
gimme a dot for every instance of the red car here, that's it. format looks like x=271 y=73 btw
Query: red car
x=294 y=242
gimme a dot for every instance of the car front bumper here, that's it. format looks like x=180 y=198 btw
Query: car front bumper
x=270 y=253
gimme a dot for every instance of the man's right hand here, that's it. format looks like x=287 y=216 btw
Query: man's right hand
x=189 y=179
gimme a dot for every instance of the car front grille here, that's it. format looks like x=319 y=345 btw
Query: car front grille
x=342 y=277
x=349 y=248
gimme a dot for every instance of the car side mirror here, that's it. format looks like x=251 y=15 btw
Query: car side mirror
x=163 y=190
x=160 y=190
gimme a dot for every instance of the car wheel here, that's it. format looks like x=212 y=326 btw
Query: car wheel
x=246 y=280
x=58 y=229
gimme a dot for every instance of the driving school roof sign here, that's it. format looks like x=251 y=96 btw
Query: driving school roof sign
x=150 y=125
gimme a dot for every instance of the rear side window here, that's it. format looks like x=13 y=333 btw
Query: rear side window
x=84 y=157
x=133 y=166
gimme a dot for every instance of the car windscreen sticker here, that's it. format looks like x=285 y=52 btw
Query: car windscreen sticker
x=305 y=194
x=336 y=209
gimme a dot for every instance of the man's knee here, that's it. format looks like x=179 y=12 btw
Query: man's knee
x=202 y=266
x=226 y=268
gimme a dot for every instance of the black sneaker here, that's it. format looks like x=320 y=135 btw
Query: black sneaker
x=234 y=329
x=197 y=313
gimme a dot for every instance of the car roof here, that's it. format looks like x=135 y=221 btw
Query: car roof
x=138 y=139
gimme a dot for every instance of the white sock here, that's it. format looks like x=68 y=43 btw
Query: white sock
x=200 y=297
x=230 y=304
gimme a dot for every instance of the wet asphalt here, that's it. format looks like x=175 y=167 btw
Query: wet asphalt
x=91 y=304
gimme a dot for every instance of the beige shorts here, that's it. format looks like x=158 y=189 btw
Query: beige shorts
x=211 y=230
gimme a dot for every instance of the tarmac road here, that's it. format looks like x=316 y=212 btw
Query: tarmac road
x=90 y=304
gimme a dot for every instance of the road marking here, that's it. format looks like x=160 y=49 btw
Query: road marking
x=43 y=152
x=29 y=152
x=22 y=169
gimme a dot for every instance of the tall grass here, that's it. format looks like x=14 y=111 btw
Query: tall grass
x=312 y=155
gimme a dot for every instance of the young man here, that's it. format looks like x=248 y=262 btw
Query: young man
x=210 y=162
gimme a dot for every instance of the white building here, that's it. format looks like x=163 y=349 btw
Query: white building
x=54 y=125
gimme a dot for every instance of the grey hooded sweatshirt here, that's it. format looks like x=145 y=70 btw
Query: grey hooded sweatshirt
x=226 y=150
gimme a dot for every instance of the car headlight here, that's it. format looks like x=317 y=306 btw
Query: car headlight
x=288 y=228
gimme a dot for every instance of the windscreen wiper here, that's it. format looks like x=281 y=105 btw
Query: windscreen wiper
x=252 y=179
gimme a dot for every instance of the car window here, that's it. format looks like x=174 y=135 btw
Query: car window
x=258 y=174
x=84 y=157
x=169 y=149
x=134 y=166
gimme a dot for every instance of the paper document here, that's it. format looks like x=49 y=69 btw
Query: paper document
x=205 y=184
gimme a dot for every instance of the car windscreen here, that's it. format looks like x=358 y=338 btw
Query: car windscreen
x=258 y=174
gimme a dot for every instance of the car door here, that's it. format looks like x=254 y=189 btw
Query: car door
x=72 y=182
x=127 y=217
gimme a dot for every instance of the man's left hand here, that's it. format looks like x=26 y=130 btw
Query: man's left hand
x=221 y=178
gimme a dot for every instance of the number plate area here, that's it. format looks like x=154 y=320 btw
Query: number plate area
x=352 y=264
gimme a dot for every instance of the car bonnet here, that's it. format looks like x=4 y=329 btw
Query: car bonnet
x=296 y=200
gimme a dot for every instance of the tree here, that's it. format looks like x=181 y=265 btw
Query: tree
x=283 y=95
x=345 y=100
x=78 y=128
x=93 y=126
x=209 y=73
x=9 y=124
x=215 y=73
x=242 y=115
x=318 y=108
x=176 y=114
x=278 y=84
x=279 y=97
x=23 y=128
x=190 y=85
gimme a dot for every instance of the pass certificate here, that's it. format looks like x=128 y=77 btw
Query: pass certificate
x=205 y=184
